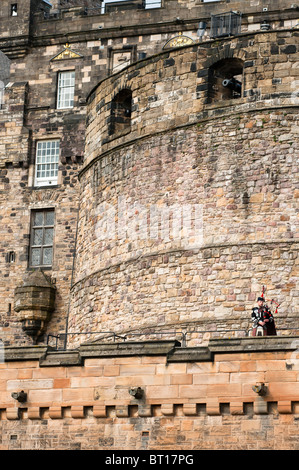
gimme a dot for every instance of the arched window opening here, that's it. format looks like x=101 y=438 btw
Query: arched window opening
x=121 y=109
x=4 y=75
x=225 y=80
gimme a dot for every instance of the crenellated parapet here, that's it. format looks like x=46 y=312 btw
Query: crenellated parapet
x=197 y=393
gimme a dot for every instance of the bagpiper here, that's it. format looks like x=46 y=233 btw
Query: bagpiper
x=262 y=317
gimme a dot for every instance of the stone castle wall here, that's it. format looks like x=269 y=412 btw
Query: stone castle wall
x=233 y=161
x=32 y=39
x=171 y=89
x=18 y=200
x=232 y=395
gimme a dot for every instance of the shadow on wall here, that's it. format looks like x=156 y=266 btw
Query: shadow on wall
x=4 y=75
x=121 y=109
x=225 y=80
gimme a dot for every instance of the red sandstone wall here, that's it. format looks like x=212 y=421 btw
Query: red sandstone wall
x=187 y=405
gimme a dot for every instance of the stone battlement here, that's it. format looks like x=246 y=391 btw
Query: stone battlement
x=198 y=388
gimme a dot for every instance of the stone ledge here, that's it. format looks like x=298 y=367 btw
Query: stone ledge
x=48 y=357
x=199 y=354
x=144 y=348
x=234 y=345
x=254 y=344
x=24 y=353
x=61 y=358
x=211 y=407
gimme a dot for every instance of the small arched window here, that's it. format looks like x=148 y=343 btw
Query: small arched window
x=225 y=80
x=121 y=109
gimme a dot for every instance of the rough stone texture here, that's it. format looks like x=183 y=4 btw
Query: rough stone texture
x=31 y=42
x=19 y=198
x=190 y=404
x=236 y=160
x=171 y=89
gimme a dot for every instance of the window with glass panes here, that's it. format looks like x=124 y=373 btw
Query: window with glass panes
x=46 y=163
x=66 y=89
x=42 y=235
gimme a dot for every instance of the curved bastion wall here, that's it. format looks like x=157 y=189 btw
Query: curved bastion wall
x=189 y=196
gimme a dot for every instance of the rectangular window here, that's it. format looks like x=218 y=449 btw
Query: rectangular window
x=14 y=9
x=46 y=163
x=225 y=24
x=66 y=89
x=42 y=235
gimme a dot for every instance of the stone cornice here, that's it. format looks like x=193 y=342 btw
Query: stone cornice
x=48 y=357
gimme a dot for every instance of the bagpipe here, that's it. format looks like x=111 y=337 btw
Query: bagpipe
x=273 y=303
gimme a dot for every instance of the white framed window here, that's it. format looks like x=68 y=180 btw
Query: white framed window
x=42 y=237
x=46 y=162
x=66 y=90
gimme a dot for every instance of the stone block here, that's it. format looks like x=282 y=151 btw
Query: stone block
x=284 y=407
x=34 y=413
x=167 y=409
x=190 y=409
x=122 y=411
x=260 y=406
x=213 y=407
x=77 y=411
x=55 y=412
x=12 y=413
x=181 y=379
x=144 y=410
x=236 y=408
x=257 y=198
x=99 y=411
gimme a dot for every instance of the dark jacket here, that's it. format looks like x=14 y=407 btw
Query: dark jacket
x=262 y=314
